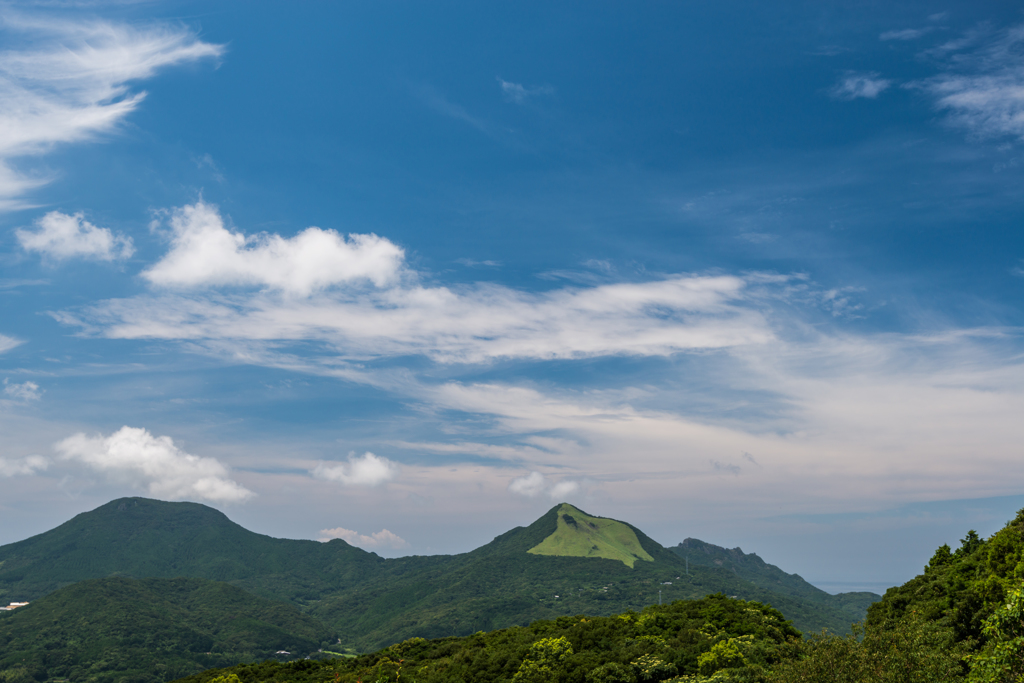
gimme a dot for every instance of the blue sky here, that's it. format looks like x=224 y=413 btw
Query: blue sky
x=409 y=274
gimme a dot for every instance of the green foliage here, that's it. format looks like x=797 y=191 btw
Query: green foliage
x=1002 y=658
x=912 y=650
x=545 y=656
x=153 y=630
x=653 y=645
x=810 y=608
x=961 y=589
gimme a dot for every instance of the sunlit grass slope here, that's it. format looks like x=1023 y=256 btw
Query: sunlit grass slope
x=580 y=535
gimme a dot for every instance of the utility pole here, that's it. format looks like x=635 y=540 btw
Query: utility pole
x=659 y=596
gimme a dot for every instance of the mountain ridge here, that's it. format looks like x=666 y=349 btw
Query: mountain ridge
x=371 y=601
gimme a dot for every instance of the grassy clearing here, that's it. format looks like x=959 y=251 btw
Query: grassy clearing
x=580 y=535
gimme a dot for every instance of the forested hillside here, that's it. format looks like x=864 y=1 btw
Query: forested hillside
x=848 y=608
x=708 y=636
x=145 y=538
x=118 y=629
x=972 y=593
x=547 y=569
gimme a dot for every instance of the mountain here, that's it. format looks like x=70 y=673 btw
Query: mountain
x=750 y=567
x=566 y=562
x=148 y=538
x=116 y=629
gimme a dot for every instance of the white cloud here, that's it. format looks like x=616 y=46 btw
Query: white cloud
x=440 y=104
x=378 y=539
x=853 y=422
x=473 y=324
x=983 y=87
x=906 y=34
x=518 y=93
x=61 y=236
x=73 y=83
x=367 y=470
x=26 y=391
x=136 y=457
x=855 y=85
x=8 y=343
x=205 y=253
x=984 y=90
x=535 y=484
x=23 y=466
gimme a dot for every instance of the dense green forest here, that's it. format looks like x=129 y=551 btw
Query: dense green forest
x=685 y=638
x=120 y=629
x=372 y=602
x=712 y=640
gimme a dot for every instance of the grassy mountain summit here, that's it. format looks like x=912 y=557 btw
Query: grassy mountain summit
x=581 y=535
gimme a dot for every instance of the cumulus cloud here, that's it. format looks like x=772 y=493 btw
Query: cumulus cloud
x=365 y=470
x=60 y=236
x=23 y=466
x=984 y=90
x=205 y=253
x=26 y=391
x=860 y=85
x=536 y=484
x=73 y=83
x=519 y=93
x=378 y=539
x=134 y=456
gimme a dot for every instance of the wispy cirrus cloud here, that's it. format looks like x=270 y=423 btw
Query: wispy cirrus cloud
x=855 y=85
x=60 y=236
x=906 y=33
x=867 y=421
x=983 y=88
x=437 y=101
x=518 y=93
x=8 y=343
x=72 y=81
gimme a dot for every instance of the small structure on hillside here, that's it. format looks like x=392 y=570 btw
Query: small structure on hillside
x=13 y=606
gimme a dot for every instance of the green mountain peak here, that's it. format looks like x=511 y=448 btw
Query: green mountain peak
x=581 y=535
